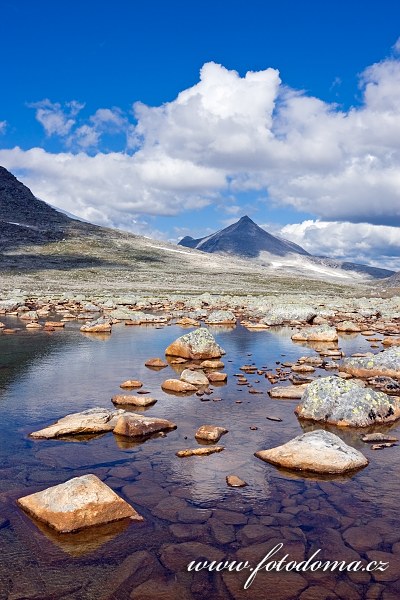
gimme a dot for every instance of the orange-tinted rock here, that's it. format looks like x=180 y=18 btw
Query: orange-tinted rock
x=199 y=451
x=54 y=324
x=217 y=377
x=130 y=400
x=138 y=426
x=131 y=383
x=210 y=433
x=198 y=344
x=78 y=503
x=156 y=363
x=175 y=385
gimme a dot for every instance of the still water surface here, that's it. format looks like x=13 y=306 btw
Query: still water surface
x=44 y=376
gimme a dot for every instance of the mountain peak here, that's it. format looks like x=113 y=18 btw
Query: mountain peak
x=243 y=238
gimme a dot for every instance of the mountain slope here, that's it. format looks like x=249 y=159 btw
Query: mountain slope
x=244 y=238
x=247 y=240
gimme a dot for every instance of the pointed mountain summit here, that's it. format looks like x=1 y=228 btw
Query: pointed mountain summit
x=243 y=238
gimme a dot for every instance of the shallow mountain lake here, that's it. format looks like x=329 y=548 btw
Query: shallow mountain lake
x=189 y=511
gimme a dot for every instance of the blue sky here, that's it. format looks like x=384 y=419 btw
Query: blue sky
x=141 y=116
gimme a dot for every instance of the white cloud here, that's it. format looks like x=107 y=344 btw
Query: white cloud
x=226 y=134
x=55 y=118
x=377 y=245
x=396 y=46
x=3 y=126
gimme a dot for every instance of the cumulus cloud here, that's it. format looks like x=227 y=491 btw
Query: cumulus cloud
x=377 y=245
x=228 y=134
x=56 y=119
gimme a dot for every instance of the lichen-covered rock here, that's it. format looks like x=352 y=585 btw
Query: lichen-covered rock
x=198 y=344
x=386 y=363
x=319 y=333
x=344 y=403
x=348 y=326
x=140 y=426
x=78 y=503
x=197 y=377
x=279 y=314
x=316 y=451
x=221 y=317
x=93 y=420
x=101 y=325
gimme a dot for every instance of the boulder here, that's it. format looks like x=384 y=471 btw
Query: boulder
x=176 y=385
x=93 y=420
x=210 y=433
x=386 y=363
x=212 y=364
x=348 y=326
x=130 y=384
x=391 y=341
x=217 y=377
x=221 y=317
x=139 y=426
x=319 y=333
x=384 y=384
x=197 y=378
x=345 y=403
x=156 y=363
x=78 y=503
x=99 y=326
x=288 y=392
x=198 y=344
x=129 y=400
x=187 y=322
x=289 y=312
x=316 y=451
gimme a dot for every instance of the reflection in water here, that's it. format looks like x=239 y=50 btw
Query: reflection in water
x=44 y=377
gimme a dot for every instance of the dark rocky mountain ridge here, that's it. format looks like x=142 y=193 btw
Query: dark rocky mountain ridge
x=247 y=240
x=244 y=238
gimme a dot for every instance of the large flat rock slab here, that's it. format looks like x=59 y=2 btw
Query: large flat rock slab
x=318 y=452
x=318 y=333
x=345 y=403
x=78 y=503
x=93 y=420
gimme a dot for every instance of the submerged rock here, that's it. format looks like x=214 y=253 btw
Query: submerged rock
x=235 y=481
x=199 y=451
x=345 y=403
x=93 y=420
x=319 y=333
x=198 y=344
x=210 y=433
x=78 y=503
x=386 y=363
x=138 y=426
x=317 y=451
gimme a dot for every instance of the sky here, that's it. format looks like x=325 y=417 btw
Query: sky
x=177 y=118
